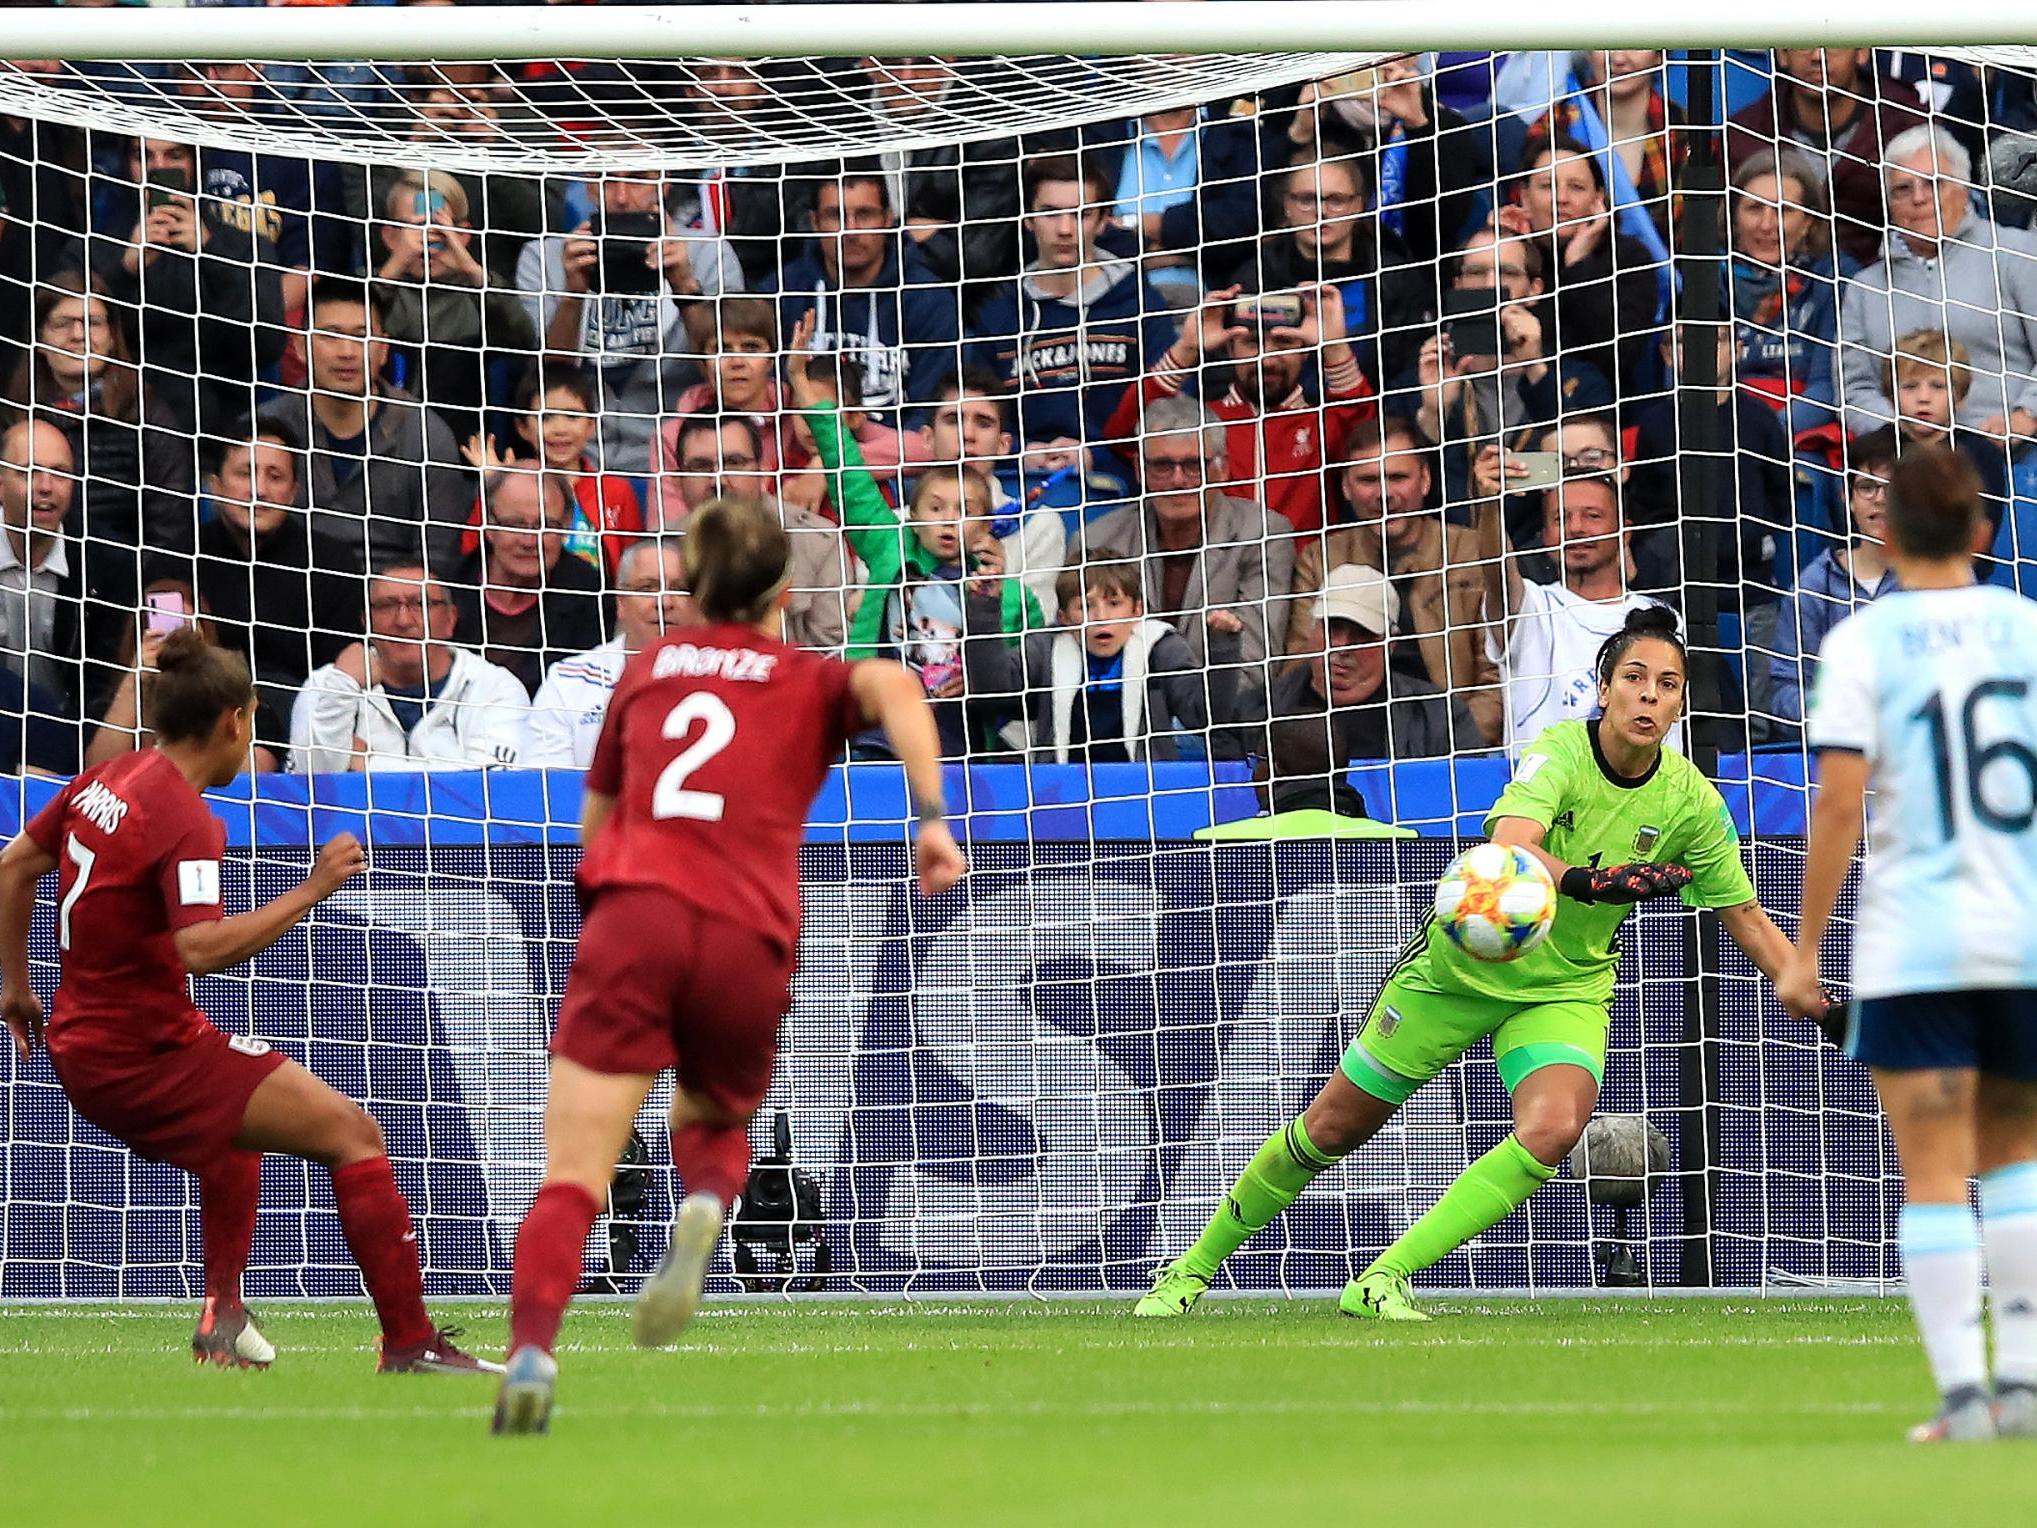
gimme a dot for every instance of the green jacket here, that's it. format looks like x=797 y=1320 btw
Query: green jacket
x=892 y=555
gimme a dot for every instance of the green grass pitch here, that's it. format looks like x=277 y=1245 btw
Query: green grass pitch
x=1247 y=1412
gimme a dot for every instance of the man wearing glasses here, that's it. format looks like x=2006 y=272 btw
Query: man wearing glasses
x=523 y=603
x=407 y=698
x=567 y=711
x=1945 y=267
x=722 y=458
x=1212 y=563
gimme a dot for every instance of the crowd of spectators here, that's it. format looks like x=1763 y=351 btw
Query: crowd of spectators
x=1338 y=422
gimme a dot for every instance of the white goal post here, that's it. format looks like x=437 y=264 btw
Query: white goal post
x=1045 y=1081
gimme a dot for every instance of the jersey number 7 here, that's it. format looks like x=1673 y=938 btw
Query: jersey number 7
x=84 y=859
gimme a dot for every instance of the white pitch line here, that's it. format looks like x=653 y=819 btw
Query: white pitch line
x=979 y=1410
x=1187 y=1342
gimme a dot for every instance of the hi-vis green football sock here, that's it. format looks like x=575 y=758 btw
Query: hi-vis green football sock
x=1484 y=1194
x=1271 y=1181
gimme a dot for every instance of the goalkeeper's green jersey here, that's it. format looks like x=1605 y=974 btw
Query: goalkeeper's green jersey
x=1593 y=817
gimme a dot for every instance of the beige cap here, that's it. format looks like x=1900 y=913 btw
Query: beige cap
x=1360 y=595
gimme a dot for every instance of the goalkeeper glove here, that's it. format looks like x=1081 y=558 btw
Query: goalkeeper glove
x=1623 y=884
x=1831 y=1018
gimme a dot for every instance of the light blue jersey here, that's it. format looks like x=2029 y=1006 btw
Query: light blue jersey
x=1938 y=689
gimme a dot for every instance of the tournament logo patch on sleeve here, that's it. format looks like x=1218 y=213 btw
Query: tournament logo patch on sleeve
x=1726 y=821
x=197 y=882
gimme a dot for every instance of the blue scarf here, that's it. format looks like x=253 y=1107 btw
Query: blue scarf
x=1629 y=216
x=1393 y=179
x=1106 y=675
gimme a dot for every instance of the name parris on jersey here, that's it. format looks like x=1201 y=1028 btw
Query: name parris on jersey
x=734 y=663
x=99 y=806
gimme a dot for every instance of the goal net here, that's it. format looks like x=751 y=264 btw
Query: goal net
x=1247 y=450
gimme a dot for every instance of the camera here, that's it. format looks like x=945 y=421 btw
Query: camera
x=624 y=240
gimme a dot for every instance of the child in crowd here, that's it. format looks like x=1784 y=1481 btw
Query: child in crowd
x=1112 y=685
x=738 y=344
x=1835 y=583
x=934 y=576
x=1929 y=376
x=556 y=423
x=970 y=426
x=889 y=454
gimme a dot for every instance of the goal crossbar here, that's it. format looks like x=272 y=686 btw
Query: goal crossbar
x=1117 y=27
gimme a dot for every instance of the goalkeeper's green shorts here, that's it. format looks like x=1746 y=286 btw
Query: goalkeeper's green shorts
x=1411 y=1036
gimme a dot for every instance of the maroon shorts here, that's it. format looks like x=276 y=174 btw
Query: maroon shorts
x=658 y=983
x=182 y=1105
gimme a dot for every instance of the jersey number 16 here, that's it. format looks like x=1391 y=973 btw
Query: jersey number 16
x=1979 y=757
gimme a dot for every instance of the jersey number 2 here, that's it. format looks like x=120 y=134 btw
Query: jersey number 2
x=84 y=859
x=670 y=798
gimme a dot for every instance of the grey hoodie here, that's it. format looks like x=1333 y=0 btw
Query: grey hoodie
x=1981 y=288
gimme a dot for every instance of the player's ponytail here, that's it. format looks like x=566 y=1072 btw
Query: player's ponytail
x=195 y=683
x=736 y=556
x=1648 y=623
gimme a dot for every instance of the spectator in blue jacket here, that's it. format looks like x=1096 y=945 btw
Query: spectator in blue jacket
x=1078 y=327
x=1838 y=582
x=1786 y=288
x=871 y=293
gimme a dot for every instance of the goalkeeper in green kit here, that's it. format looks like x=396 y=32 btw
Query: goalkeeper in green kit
x=1616 y=818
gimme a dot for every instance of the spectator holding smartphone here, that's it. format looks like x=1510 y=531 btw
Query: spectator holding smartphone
x=123 y=727
x=613 y=295
x=1251 y=356
x=207 y=289
x=1490 y=373
x=450 y=324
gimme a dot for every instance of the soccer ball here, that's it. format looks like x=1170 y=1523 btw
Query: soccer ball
x=1496 y=902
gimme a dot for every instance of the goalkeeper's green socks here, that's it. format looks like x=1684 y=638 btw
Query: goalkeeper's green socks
x=1271 y=1181
x=1484 y=1194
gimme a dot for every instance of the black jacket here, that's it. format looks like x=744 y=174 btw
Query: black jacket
x=134 y=496
x=1420 y=722
x=271 y=606
x=209 y=323
x=569 y=618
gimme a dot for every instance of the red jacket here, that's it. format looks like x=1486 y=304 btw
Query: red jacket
x=1277 y=459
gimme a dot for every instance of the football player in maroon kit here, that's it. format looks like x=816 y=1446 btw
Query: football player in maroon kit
x=716 y=742
x=139 y=910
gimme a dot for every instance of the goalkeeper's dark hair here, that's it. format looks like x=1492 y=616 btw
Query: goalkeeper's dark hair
x=736 y=557
x=195 y=683
x=1650 y=623
x=1934 y=503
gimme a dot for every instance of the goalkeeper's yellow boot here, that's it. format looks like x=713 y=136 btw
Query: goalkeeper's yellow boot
x=1379 y=1297
x=1174 y=1293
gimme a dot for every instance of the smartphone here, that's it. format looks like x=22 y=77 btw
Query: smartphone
x=1355 y=82
x=1270 y=310
x=167 y=611
x=625 y=242
x=1471 y=319
x=1544 y=470
x=166 y=184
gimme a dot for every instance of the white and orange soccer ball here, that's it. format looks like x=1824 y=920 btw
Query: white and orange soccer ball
x=1496 y=902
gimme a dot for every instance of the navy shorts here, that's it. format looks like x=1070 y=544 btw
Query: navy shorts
x=1991 y=1030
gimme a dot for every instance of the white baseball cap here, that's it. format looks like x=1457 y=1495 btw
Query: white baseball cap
x=1360 y=595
